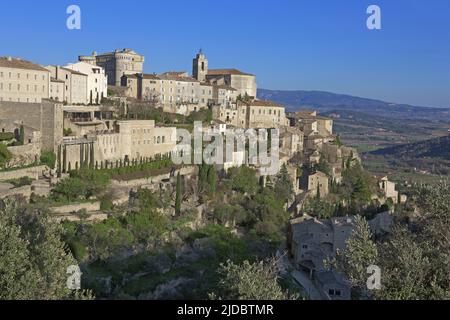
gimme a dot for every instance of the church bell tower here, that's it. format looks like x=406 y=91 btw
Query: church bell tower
x=200 y=67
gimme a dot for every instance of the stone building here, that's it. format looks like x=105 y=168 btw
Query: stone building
x=244 y=83
x=200 y=67
x=23 y=81
x=125 y=141
x=57 y=90
x=257 y=114
x=309 y=122
x=314 y=181
x=117 y=64
x=388 y=188
x=224 y=95
x=312 y=241
x=291 y=141
x=97 y=82
x=175 y=92
x=46 y=117
x=30 y=151
x=76 y=84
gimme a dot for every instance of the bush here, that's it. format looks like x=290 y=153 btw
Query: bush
x=106 y=205
x=70 y=190
x=78 y=250
x=49 y=159
x=243 y=180
x=24 y=181
x=5 y=155
x=6 y=136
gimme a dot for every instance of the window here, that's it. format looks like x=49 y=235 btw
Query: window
x=337 y=292
x=331 y=292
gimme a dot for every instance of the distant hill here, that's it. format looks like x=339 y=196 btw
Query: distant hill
x=327 y=101
x=434 y=148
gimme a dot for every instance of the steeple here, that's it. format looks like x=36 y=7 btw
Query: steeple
x=200 y=67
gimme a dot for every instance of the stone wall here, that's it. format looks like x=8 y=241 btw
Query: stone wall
x=71 y=208
x=24 y=191
x=31 y=172
x=47 y=117
x=24 y=155
x=96 y=217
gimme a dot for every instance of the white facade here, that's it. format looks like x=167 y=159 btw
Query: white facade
x=75 y=84
x=97 y=81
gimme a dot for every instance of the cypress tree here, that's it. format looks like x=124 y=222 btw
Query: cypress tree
x=212 y=179
x=59 y=162
x=178 y=195
x=81 y=156
x=91 y=156
x=22 y=135
x=202 y=177
x=64 y=161
x=318 y=192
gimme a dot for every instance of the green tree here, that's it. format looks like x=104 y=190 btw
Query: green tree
x=406 y=269
x=283 y=185
x=250 y=281
x=360 y=253
x=48 y=158
x=212 y=179
x=202 y=177
x=243 y=179
x=324 y=166
x=22 y=135
x=178 y=196
x=34 y=260
x=5 y=155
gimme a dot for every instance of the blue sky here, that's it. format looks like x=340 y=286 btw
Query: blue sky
x=289 y=44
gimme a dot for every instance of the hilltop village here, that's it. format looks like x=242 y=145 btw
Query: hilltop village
x=92 y=142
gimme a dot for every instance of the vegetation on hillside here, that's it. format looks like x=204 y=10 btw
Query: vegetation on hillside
x=34 y=260
x=414 y=258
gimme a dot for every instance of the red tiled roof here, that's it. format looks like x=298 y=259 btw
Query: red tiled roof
x=217 y=72
x=15 y=63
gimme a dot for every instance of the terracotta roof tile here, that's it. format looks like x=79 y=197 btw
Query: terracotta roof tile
x=15 y=63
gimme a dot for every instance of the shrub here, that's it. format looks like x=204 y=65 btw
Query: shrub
x=78 y=250
x=6 y=136
x=5 y=155
x=106 y=205
x=24 y=181
x=49 y=159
